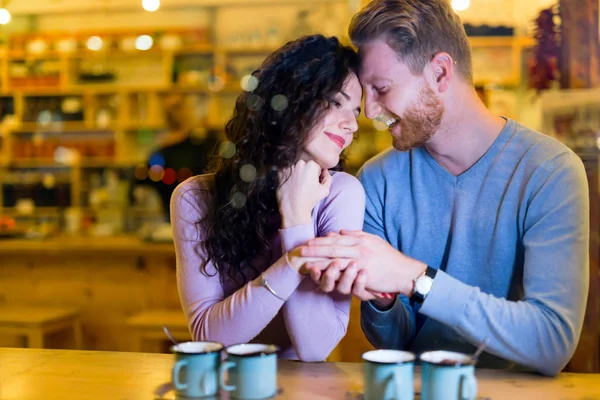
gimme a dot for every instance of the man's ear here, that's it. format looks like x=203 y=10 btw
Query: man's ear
x=442 y=70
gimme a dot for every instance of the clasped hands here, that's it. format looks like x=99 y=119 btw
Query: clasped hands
x=358 y=263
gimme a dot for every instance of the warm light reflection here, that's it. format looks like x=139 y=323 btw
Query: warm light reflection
x=95 y=43
x=150 y=5
x=144 y=42
x=460 y=5
x=5 y=16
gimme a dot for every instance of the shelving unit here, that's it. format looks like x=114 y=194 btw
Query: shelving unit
x=104 y=121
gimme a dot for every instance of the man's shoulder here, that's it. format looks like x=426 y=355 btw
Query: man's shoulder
x=388 y=161
x=534 y=150
x=536 y=144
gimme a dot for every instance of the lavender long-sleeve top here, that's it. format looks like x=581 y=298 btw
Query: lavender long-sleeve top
x=309 y=323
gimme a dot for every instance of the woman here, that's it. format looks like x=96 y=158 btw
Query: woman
x=235 y=230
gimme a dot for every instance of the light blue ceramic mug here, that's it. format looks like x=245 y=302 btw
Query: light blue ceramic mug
x=196 y=368
x=388 y=374
x=252 y=371
x=446 y=375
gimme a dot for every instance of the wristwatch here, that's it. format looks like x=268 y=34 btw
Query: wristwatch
x=423 y=285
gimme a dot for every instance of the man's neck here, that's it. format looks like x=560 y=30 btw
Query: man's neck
x=468 y=130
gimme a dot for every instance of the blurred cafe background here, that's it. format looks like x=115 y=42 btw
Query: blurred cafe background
x=106 y=105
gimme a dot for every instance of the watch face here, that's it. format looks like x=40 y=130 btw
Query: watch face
x=423 y=284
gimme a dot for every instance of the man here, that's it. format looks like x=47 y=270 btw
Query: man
x=184 y=150
x=479 y=224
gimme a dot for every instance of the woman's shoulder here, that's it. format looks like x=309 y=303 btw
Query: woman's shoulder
x=192 y=194
x=344 y=188
x=343 y=181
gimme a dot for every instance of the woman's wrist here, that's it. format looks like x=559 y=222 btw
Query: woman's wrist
x=295 y=220
x=295 y=261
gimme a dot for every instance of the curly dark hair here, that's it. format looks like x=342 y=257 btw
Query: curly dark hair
x=270 y=136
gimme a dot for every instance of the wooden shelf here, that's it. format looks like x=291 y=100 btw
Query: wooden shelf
x=92 y=162
x=208 y=48
x=110 y=88
x=501 y=41
x=37 y=210
x=66 y=126
x=37 y=163
x=145 y=98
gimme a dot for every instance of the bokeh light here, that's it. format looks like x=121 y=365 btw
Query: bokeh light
x=248 y=173
x=169 y=176
x=226 y=149
x=215 y=83
x=150 y=5
x=249 y=83
x=5 y=16
x=49 y=181
x=44 y=118
x=156 y=173
x=460 y=5
x=144 y=136
x=183 y=174
x=238 y=200
x=144 y=42
x=61 y=155
x=254 y=102
x=95 y=43
x=157 y=159
x=38 y=139
x=279 y=102
x=141 y=172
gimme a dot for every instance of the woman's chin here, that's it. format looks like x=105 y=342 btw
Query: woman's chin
x=328 y=163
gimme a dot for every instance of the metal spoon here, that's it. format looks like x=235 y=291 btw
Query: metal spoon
x=480 y=350
x=166 y=330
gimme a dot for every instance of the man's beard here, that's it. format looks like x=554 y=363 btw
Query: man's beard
x=419 y=122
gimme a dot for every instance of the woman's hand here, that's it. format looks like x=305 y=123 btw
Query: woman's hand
x=307 y=184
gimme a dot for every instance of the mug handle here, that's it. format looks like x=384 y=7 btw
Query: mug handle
x=468 y=387
x=224 y=367
x=176 y=382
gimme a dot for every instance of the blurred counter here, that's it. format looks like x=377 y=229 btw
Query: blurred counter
x=108 y=279
x=124 y=244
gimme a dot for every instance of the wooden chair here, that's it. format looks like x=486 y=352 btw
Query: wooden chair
x=34 y=323
x=148 y=329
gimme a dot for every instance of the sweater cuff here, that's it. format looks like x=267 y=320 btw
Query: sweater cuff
x=447 y=300
x=295 y=236
x=377 y=317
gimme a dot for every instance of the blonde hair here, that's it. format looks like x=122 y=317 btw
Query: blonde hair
x=417 y=30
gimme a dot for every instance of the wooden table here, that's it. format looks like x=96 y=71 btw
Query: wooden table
x=77 y=244
x=70 y=374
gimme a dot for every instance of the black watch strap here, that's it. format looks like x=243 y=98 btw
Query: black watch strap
x=418 y=297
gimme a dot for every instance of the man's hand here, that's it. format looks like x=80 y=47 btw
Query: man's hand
x=345 y=280
x=387 y=269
